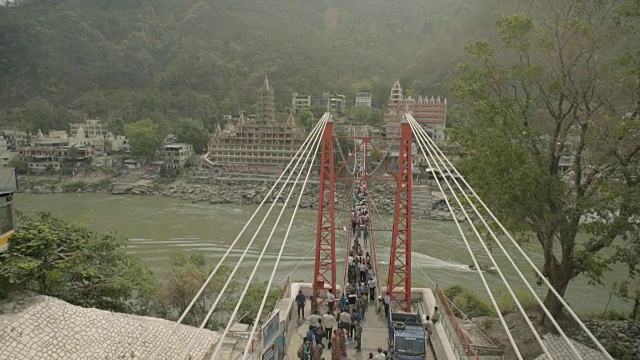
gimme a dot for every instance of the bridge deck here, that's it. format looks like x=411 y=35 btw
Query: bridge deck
x=374 y=335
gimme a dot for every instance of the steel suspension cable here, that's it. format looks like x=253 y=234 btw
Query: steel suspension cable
x=449 y=300
x=495 y=238
x=302 y=261
x=523 y=253
x=373 y=246
x=382 y=156
x=420 y=134
x=284 y=242
x=233 y=244
x=315 y=132
x=473 y=257
x=218 y=347
x=456 y=306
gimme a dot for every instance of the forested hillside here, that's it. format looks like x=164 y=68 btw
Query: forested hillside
x=60 y=60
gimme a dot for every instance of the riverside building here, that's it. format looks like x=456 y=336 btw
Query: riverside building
x=256 y=143
x=430 y=113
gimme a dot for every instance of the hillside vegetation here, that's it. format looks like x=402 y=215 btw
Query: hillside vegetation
x=63 y=60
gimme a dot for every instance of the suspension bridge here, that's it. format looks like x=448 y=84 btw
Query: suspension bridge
x=279 y=332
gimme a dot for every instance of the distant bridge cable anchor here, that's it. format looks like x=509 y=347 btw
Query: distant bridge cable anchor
x=515 y=243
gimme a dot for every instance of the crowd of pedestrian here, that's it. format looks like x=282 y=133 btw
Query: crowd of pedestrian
x=342 y=324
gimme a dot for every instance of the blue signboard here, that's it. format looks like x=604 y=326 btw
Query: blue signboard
x=270 y=329
x=280 y=345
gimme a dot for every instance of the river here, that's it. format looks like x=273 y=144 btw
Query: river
x=158 y=226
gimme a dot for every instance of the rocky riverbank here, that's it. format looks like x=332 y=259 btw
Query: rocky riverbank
x=620 y=337
x=228 y=191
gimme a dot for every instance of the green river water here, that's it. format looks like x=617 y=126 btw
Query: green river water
x=158 y=226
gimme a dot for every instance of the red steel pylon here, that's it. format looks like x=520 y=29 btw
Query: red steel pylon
x=399 y=286
x=324 y=274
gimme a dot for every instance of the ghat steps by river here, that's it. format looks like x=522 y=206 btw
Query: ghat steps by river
x=158 y=226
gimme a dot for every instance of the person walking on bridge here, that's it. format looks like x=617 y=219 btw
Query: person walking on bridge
x=372 y=288
x=428 y=325
x=435 y=317
x=342 y=304
x=387 y=303
x=328 y=320
x=335 y=346
x=301 y=301
x=331 y=299
x=316 y=352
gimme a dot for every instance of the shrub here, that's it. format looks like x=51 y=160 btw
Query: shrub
x=74 y=185
x=508 y=305
x=608 y=315
x=468 y=303
x=102 y=184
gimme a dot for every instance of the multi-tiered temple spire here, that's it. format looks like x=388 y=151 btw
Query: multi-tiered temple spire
x=266 y=104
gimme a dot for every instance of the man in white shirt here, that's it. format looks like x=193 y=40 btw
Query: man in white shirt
x=387 y=303
x=380 y=355
x=372 y=288
x=328 y=321
x=345 y=321
x=428 y=325
x=314 y=320
x=331 y=299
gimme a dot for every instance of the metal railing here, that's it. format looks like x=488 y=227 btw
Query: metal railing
x=452 y=327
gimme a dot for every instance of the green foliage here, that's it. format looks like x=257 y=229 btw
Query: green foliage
x=253 y=299
x=38 y=114
x=507 y=305
x=306 y=120
x=187 y=274
x=192 y=132
x=617 y=350
x=318 y=111
x=144 y=137
x=21 y=165
x=131 y=60
x=116 y=126
x=365 y=116
x=607 y=315
x=468 y=303
x=525 y=116
x=76 y=264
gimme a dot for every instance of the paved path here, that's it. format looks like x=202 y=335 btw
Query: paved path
x=53 y=329
x=374 y=335
x=559 y=349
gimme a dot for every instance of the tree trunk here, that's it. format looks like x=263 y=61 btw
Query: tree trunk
x=559 y=275
x=551 y=301
x=636 y=307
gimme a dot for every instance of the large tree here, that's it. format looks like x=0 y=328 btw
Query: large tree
x=187 y=274
x=144 y=136
x=192 y=131
x=546 y=138
x=72 y=262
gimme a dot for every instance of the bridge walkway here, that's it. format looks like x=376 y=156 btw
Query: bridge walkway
x=374 y=335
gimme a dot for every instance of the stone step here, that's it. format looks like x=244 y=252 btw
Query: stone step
x=232 y=348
